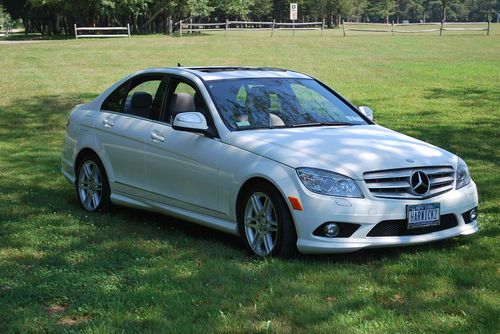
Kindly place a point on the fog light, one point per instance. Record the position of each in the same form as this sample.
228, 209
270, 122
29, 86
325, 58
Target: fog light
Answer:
331, 230
473, 215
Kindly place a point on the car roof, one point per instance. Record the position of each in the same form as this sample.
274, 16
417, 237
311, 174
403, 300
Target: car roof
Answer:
209, 73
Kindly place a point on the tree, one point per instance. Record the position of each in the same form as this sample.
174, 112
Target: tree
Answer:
261, 9
381, 9
55, 16
200, 8
239, 8
358, 9
5, 19
444, 7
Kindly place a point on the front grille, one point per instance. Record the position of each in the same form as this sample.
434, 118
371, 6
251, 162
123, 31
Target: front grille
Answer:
396, 183
397, 228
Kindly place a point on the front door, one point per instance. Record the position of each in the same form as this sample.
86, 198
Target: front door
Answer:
182, 166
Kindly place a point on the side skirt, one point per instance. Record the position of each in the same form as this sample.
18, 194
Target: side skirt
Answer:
223, 225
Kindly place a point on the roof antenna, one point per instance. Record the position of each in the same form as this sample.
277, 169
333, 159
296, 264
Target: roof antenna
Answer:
178, 64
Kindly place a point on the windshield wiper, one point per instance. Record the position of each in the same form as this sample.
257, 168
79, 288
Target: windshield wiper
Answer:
322, 124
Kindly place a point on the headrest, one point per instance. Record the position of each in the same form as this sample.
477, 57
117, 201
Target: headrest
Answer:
141, 100
198, 101
182, 102
258, 103
258, 97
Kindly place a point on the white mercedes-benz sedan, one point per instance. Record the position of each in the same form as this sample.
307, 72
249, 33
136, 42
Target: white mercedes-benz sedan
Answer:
271, 155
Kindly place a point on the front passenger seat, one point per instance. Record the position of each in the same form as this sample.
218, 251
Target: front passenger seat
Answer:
257, 105
181, 102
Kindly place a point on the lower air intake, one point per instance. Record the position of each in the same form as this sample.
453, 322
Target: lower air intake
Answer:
398, 228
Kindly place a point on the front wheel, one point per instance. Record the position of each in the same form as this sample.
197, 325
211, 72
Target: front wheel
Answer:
92, 185
265, 223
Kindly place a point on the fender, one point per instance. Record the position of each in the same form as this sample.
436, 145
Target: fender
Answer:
232, 176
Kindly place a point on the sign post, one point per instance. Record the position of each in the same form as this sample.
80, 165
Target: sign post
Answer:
294, 8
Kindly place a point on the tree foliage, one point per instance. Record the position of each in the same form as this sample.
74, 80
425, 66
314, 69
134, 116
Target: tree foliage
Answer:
55, 16
5, 20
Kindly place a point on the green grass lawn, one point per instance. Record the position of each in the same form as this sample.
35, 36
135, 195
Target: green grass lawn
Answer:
62, 269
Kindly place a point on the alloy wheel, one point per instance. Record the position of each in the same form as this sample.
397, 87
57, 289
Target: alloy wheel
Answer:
261, 224
90, 185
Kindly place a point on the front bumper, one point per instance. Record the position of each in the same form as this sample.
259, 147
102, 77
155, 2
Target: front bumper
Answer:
368, 212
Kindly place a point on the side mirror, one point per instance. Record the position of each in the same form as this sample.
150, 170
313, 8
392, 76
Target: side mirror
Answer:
190, 121
367, 112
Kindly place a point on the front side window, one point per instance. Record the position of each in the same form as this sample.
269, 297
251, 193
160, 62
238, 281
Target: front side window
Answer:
184, 97
273, 102
140, 97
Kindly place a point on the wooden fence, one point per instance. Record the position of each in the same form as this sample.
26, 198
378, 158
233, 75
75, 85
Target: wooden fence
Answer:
5, 33
272, 26
402, 28
97, 31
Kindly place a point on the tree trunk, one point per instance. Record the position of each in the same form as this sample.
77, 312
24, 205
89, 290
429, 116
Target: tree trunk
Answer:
445, 5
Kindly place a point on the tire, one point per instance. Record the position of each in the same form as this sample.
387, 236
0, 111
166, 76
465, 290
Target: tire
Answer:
265, 223
92, 185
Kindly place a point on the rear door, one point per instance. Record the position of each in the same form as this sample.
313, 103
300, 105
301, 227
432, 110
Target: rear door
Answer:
122, 128
182, 166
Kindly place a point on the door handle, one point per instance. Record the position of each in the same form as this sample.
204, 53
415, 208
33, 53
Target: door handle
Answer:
157, 137
108, 123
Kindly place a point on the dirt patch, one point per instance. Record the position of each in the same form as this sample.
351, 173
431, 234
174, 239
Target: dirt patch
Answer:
56, 309
331, 299
71, 321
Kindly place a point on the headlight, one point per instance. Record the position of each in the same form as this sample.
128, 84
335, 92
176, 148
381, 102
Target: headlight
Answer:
328, 183
463, 175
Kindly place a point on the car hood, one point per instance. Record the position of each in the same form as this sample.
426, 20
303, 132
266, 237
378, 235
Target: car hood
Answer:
349, 150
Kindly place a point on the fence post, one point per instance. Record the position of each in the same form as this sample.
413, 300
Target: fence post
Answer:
180, 28
227, 27
441, 29
488, 31
272, 28
343, 27
190, 29
170, 27
128, 29
392, 28
322, 27
76, 32
293, 28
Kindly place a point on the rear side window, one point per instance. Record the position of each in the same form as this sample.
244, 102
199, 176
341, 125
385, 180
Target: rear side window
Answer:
116, 100
140, 97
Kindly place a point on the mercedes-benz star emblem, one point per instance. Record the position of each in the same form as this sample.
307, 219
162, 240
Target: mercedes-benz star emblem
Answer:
420, 182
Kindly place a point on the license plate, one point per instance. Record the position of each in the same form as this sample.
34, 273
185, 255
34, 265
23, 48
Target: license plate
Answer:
423, 215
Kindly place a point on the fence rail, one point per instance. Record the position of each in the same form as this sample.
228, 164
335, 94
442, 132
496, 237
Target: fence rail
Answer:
389, 28
98, 29
5, 33
188, 27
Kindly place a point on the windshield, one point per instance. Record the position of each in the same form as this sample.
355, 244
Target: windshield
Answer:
279, 102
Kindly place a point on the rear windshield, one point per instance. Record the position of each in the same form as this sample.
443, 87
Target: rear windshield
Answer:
275, 102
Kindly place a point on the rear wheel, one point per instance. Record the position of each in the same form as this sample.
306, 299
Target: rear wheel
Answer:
92, 185
265, 223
